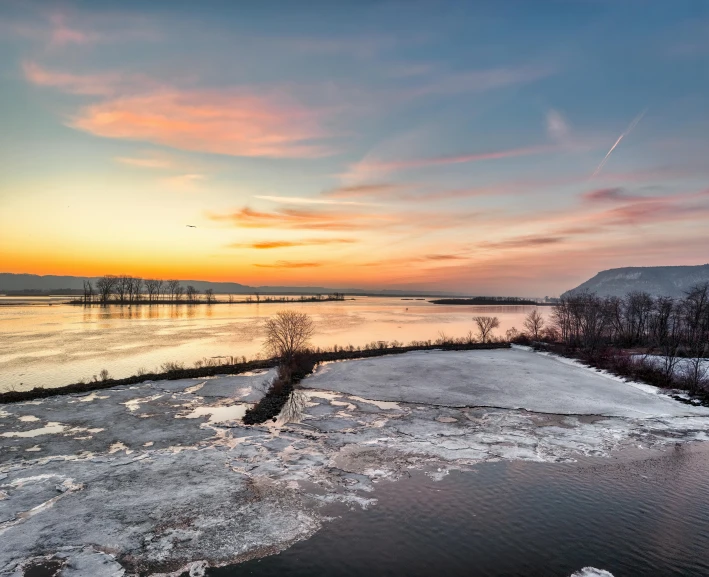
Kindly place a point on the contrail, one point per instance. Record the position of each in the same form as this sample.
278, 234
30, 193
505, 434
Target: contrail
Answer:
635, 121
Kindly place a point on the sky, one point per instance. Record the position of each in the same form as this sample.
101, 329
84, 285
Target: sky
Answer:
506, 147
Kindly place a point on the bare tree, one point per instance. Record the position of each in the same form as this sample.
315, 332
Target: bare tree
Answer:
231, 298
258, 296
105, 287
534, 323
160, 286
191, 293
209, 296
123, 287
151, 286
179, 292
287, 333
695, 317
88, 292
486, 326
171, 287
135, 289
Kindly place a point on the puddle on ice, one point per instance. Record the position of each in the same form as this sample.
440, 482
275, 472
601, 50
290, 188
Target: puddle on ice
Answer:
134, 404
385, 405
220, 414
119, 446
48, 429
334, 400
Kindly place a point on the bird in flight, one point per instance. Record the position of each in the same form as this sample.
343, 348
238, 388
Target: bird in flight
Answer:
191, 226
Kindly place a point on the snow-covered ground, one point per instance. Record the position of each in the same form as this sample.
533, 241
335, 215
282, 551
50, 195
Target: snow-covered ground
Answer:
162, 476
508, 378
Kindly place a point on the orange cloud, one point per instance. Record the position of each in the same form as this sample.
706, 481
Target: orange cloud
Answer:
289, 244
289, 264
523, 242
299, 219
231, 122
220, 122
362, 190
330, 220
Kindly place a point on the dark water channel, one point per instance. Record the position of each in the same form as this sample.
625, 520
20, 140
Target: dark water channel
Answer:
635, 515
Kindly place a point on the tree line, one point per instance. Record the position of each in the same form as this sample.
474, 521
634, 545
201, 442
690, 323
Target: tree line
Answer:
126, 289
674, 330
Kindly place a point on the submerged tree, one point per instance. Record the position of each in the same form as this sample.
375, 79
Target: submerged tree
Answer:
485, 327
287, 333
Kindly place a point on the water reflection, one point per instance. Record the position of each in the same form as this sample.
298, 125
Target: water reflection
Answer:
122, 339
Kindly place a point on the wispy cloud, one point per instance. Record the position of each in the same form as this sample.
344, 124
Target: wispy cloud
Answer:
184, 182
522, 242
154, 160
275, 244
221, 122
290, 264
299, 219
372, 189
63, 32
372, 169
558, 128
86, 84
225, 121
311, 200
481, 80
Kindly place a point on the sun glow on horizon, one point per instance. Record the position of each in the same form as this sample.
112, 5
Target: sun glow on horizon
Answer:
368, 155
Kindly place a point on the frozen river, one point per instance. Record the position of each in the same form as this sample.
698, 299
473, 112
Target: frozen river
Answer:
368, 474
43, 345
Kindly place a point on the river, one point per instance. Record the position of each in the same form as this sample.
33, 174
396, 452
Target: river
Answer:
44, 343
637, 514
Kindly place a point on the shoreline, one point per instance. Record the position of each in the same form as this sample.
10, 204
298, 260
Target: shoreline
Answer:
230, 369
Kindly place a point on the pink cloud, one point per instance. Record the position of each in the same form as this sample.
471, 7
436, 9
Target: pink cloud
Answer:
221, 122
63, 33
88, 84
370, 168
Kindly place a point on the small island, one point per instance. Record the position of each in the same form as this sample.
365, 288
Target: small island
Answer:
485, 301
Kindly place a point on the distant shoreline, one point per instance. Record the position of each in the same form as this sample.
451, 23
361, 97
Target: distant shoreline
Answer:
265, 300
484, 301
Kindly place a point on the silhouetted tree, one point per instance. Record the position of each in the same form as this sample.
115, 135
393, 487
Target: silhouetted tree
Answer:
135, 289
287, 333
534, 323
88, 292
171, 287
151, 287
209, 296
105, 287
191, 293
486, 326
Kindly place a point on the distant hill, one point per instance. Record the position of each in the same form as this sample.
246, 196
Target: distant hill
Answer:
656, 280
36, 284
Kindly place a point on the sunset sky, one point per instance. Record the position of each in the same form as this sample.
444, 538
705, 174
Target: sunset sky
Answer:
412, 145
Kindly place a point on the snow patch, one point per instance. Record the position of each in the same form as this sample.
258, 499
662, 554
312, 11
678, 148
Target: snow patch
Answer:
592, 572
